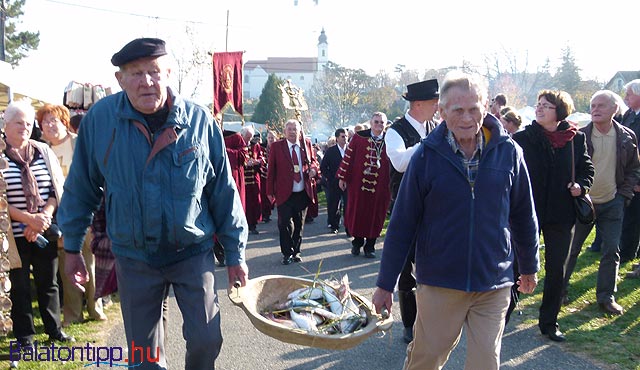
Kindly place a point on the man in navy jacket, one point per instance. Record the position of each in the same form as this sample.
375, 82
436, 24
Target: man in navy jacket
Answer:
464, 197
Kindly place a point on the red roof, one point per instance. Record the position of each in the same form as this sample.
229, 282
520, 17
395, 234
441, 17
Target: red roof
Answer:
283, 65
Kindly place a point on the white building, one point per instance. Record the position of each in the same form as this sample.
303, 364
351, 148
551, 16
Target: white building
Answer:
300, 70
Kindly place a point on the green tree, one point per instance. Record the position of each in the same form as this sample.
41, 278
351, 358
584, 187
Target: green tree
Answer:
567, 77
270, 108
17, 43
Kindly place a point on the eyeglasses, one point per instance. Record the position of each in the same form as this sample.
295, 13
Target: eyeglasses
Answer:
544, 106
51, 122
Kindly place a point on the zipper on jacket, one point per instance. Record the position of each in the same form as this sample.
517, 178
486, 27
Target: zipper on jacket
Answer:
108, 152
471, 233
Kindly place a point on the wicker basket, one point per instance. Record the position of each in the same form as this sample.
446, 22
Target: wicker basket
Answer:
265, 291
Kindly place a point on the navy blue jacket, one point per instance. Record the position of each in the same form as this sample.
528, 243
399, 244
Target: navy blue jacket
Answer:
463, 234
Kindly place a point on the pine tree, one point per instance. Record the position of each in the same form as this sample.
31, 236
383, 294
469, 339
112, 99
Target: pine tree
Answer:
17, 44
270, 108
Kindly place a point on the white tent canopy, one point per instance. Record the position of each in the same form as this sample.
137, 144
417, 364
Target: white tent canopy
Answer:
12, 89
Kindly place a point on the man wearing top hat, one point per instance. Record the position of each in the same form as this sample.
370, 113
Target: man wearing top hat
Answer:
161, 164
401, 140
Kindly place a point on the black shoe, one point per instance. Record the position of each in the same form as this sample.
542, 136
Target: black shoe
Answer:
266, 220
370, 254
221, 264
554, 334
23, 345
408, 335
308, 220
287, 260
254, 231
62, 337
335, 231
355, 251
296, 258
346, 231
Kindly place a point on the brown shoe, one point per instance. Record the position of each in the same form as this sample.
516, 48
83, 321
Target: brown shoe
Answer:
612, 308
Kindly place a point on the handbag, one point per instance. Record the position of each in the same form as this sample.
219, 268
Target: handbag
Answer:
585, 213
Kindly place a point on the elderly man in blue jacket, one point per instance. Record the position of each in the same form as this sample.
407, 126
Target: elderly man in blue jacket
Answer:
160, 162
464, 197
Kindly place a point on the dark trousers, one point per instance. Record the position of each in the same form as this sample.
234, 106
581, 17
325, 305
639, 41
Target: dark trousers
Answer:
609, 225
291, 215
557, 243
369, 244
143, 298
45, 266
406, 285
630, 237
515, 293
336, 199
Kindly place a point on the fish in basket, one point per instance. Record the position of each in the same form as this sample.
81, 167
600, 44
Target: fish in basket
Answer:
340, 327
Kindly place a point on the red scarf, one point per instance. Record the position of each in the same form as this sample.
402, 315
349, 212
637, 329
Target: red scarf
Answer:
564, 134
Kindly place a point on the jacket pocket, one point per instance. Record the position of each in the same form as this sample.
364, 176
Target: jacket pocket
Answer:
121, 220
188, 172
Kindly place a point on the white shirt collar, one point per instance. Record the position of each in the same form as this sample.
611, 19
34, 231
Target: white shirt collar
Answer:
417, 125
292, 144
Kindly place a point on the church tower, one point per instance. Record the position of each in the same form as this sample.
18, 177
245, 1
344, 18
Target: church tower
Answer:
323, 51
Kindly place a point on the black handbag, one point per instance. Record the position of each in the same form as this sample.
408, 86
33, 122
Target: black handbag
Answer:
585, 213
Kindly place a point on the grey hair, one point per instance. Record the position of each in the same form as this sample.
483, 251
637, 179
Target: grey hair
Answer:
294, 121
634, 85
614, 98
20, 106
465, 81
247, 129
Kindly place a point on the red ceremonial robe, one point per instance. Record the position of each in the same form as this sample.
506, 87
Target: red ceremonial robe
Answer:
267, 205
253, 210
237, 156
365, 169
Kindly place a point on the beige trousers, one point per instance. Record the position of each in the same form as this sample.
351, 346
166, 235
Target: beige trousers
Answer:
72, 297
442, 313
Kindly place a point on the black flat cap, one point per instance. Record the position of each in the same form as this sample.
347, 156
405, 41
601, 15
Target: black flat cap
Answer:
424, 90
139, 48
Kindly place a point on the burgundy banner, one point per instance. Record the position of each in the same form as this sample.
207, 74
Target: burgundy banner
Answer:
227, 81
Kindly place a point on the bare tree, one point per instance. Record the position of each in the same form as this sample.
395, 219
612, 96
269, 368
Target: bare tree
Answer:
194, 64
337, 95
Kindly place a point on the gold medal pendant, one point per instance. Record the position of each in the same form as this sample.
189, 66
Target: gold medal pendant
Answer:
296, 168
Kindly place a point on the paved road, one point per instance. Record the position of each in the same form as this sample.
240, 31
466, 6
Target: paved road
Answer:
245, 348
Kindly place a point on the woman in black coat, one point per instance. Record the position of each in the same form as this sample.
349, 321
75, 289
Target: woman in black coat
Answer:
547, 144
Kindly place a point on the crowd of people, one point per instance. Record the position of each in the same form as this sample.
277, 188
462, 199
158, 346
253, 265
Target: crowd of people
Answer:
467, 189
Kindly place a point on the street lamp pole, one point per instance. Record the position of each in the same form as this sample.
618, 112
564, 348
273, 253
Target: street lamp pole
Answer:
3, 16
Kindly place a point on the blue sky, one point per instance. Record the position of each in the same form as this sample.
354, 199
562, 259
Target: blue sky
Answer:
78, 37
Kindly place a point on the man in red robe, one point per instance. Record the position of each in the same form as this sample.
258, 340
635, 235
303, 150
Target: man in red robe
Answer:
237, 155
364, 173
253, 209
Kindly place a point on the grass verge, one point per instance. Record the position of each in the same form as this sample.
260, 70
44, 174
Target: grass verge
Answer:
609, 339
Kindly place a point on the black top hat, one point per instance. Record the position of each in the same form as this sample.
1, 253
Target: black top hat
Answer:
139, 48
424, 90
